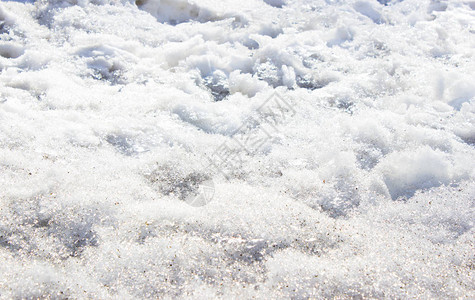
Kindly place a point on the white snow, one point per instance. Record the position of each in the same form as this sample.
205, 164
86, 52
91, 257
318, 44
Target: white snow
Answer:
108, 108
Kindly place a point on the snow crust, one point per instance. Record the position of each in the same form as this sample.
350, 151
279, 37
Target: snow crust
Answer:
107, 108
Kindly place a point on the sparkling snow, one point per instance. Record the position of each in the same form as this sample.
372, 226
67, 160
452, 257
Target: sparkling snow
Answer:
109, 108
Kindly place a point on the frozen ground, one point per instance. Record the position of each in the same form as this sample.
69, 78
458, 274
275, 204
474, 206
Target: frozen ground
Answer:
107, 108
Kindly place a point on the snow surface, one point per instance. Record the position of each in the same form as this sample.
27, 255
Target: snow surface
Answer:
107, 108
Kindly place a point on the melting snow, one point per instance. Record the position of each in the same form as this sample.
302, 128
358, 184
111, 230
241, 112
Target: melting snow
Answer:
109, 110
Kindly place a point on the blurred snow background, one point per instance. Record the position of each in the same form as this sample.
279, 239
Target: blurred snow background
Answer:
108, 106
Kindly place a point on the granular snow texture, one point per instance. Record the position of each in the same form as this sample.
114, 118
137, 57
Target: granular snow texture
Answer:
110, 108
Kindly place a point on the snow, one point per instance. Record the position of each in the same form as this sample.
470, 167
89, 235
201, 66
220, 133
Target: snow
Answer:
110, 110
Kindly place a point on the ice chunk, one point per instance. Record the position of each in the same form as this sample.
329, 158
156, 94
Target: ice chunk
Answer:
177, 11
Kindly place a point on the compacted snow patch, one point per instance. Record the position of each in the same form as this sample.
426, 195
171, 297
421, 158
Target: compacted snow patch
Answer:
8, 50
